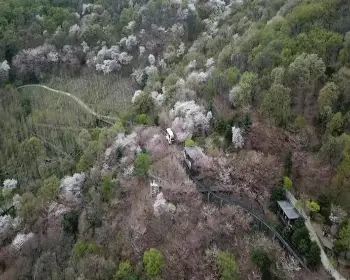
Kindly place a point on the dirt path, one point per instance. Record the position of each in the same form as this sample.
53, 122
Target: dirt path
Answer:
324, 259
76, 99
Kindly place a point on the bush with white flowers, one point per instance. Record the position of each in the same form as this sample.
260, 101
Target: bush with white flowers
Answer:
139, 76
151, 59
72, 186
188, 118
128, 42
237, 138
4, 71
137, 94
21, 239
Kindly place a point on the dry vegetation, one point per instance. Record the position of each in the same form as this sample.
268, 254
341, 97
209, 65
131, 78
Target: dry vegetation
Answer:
104, 94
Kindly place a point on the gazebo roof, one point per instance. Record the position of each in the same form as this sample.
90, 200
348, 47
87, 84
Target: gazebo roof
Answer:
288, 209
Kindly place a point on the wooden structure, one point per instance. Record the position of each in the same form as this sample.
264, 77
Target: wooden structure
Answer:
287, 212
192, 155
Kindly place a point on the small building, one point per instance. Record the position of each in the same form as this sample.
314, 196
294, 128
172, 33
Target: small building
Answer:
192, 156
287, 212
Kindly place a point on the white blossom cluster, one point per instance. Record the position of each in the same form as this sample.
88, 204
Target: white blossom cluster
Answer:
151, 59
181, 50
128, 42
188, 117
87, 8
110, 60
10, 184
195, 78
6, 227
72, 186
4, 66
161, 205
138, 75
337, 214
177, 30
142, 50
211, 26
20, 239
157, 98
210, 63
136, 95
162, 64
38, 60
130, 146
131, 25
192, 65
129, 141
85, 47
74, 31
237, 138
217, 5
151, 70
234, 92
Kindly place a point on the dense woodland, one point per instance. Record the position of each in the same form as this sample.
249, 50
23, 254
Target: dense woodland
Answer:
261, 86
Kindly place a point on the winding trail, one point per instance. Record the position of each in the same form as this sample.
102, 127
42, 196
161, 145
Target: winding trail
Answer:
324, 259
107, 119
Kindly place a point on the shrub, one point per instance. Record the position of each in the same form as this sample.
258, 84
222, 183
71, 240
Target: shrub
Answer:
276, 195
313, 206
220, 126
313, 256
247, 122
119, 153
143, 119
80, 248
70, 223
261, 259
227, 266
287, 183
143, 164
153, 261
190, 143
107, 188
124, 272
288, 163
50, 189
88, 157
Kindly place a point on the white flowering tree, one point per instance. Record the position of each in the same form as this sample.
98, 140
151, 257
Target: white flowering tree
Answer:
137, 94
151, 59
8, 186
161, 205
6, 227
110, 60
237, 138
128, 42
38, 61
139, 76
20, 239
72, 186
4, 71
188, 118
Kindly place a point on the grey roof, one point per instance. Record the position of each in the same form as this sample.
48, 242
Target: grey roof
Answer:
194, 152
288, 209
